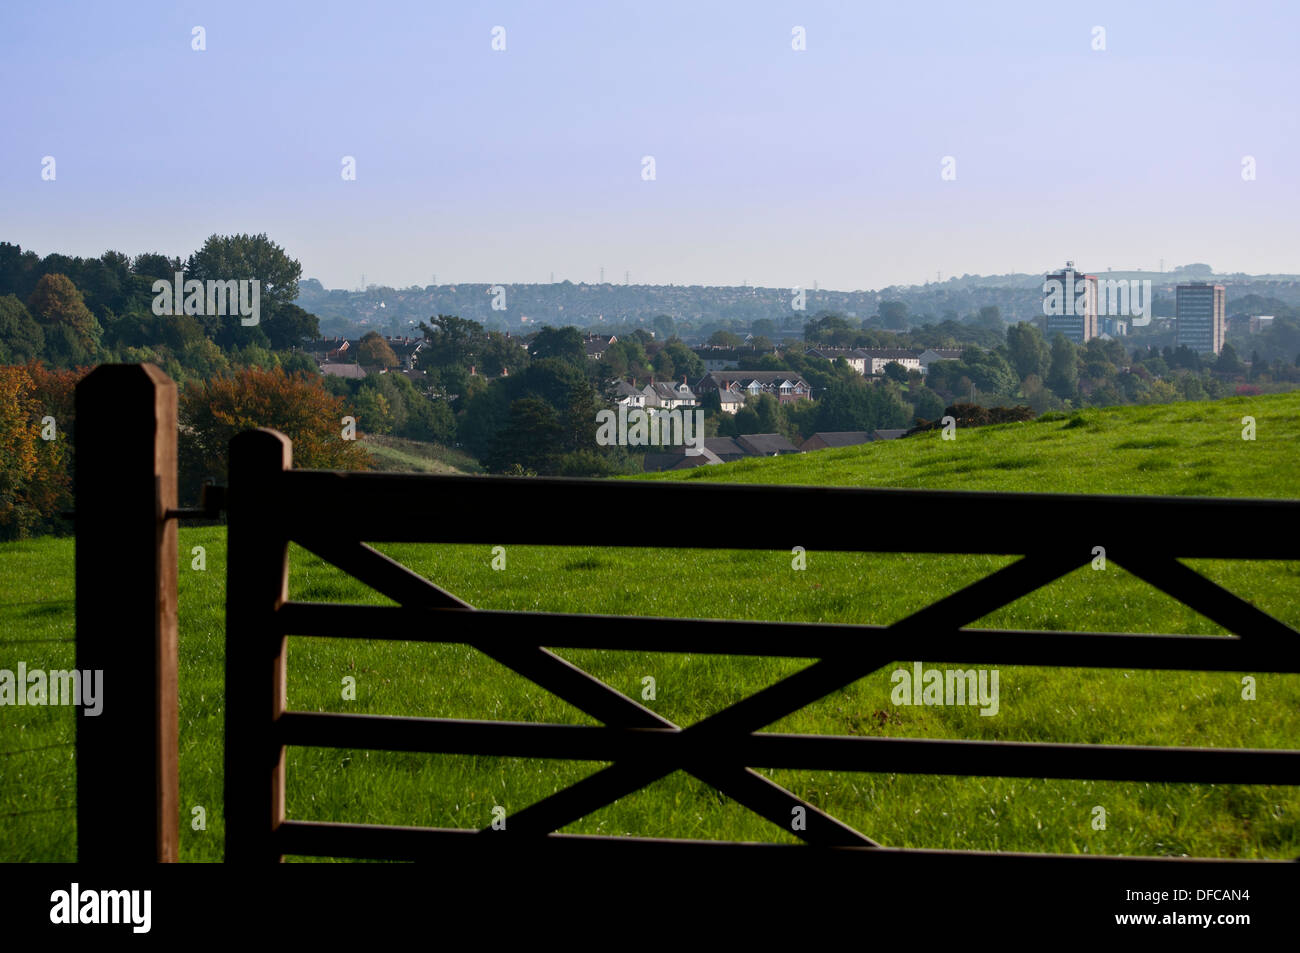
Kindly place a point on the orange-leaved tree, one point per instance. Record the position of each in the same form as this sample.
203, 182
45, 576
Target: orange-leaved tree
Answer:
35, 449
297, 405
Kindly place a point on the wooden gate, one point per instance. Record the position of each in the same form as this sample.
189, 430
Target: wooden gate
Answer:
271, 505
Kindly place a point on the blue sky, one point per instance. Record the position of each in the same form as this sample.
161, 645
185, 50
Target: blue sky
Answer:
773, 166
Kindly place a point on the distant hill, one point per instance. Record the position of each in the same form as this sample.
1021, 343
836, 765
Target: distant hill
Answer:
697, 310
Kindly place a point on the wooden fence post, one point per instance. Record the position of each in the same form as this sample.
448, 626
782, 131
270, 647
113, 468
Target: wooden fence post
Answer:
127, 809
257, 583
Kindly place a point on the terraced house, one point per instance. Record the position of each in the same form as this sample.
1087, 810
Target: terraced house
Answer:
785, 386
854, 356
878, 357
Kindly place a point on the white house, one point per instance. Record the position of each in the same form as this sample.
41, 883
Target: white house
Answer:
668, 396
628, 396
730, 400
878, 357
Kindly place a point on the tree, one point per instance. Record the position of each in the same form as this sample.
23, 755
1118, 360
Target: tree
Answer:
564, 344
498, 355
759, 415
247, 257
298, 406
685, 361
56, 300
893, 314
19, 450
664, 367
1184, 356
725, 339
1229, 363
664, 326
452, 342
987, 370
18, 271
373, 351
372, 411
71, 332
825, 327
290, 326
846, 405
1027, 350
631, 353
990, 316
531, 438
35, 474
155, 266
926, 404
21, 338
1063, 375
896, 372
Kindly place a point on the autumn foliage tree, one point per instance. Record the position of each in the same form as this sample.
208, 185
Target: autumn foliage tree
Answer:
373, 350
71, 332
35, 448
297, 405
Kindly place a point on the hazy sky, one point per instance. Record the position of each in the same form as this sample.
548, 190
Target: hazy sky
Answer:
775, 166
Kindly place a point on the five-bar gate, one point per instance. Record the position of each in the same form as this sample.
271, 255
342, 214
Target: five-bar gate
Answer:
270, 505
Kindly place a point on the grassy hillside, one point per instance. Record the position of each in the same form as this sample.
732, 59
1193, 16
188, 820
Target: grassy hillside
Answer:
1190, 449
1184, 448
396, 454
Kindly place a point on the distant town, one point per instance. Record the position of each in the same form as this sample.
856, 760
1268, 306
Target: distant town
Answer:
518, 378
1111, 326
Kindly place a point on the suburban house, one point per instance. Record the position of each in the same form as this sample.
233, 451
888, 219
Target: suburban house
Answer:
596, 344
730, 401
676, 458
668, 396
878, 357
726, 449
629, 396
839, 438
766, 444
855, 357
785, 386
405, 349
932, 354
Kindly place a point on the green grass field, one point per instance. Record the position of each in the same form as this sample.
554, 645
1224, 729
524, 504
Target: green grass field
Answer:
1186, 448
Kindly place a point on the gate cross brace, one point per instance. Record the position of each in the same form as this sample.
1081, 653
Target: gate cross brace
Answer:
802, 688
592, 696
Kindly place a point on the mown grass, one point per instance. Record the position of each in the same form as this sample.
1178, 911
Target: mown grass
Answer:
1092, 706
